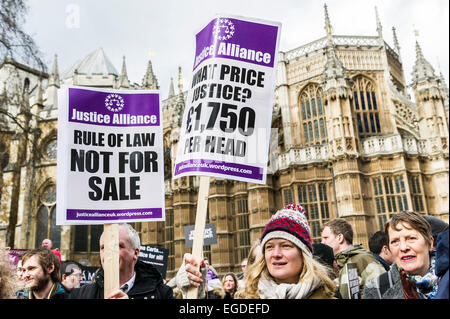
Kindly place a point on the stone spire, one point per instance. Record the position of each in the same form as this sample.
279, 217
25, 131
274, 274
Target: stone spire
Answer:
54, 75
443, 86
444, 89
379, 26
180, 104
53, 85
123, 78
396, 44
25, 103
171, 88
422, 69
335, 80
150, 81
180, 80
328, 27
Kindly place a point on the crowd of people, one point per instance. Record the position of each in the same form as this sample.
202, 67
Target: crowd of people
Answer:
408, 260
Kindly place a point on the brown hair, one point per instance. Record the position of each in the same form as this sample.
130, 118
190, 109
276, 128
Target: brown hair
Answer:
46, 259
414, 220
236, 282
340, 226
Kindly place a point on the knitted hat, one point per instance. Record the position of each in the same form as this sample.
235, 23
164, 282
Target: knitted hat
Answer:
290, 223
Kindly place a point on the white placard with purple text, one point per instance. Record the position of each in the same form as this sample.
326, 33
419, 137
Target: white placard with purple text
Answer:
227, 118
110, 156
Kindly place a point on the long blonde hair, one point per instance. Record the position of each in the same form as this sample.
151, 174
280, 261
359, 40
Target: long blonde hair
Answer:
311, 269
8, 280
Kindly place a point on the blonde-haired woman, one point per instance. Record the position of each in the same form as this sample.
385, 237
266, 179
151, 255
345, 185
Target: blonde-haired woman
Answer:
286, 269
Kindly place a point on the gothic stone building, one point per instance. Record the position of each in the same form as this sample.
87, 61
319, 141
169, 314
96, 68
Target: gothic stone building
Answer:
348, 141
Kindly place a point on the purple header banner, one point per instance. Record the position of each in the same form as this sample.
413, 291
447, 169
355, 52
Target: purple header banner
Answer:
239, 40
113, 109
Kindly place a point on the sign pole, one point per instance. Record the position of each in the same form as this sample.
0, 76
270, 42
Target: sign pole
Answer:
111, 258
199, 232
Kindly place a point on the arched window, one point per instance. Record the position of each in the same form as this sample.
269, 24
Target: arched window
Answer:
312, 115
41, 225
46, 218
365, 107
26, 85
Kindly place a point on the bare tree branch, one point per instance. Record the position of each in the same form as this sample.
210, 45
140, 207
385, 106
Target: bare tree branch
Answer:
14, 42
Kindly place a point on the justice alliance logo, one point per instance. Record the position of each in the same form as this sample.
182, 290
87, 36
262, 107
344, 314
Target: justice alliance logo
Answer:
223, 30
114, 102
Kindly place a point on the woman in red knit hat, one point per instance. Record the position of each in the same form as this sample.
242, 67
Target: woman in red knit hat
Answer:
286, 268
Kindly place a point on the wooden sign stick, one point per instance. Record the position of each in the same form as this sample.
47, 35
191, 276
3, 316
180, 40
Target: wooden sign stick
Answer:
111, 257
199, 231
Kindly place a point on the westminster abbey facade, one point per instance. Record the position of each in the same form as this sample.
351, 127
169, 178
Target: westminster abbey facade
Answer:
347, 141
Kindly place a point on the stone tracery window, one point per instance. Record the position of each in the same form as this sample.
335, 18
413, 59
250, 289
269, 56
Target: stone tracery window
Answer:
312, 116
365, 107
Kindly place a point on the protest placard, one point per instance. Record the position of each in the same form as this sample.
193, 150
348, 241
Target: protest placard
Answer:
110, 163
352, 280
87, 274
209, 238
156, 256
226, 123
110, 156
15, 255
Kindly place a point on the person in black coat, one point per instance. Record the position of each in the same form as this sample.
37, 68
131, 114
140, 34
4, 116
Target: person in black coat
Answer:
137, 280
148, 284
442, 266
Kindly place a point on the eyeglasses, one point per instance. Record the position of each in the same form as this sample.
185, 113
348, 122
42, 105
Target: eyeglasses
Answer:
78, 275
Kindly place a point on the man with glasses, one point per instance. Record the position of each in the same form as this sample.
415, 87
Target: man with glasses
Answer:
71, 275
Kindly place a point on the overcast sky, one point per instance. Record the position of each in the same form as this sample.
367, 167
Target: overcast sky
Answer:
163, 31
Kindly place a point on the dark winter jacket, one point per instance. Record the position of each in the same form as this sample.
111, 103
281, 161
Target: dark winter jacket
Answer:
57, 292
442, 250
382, 262
442, 265
148, 285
